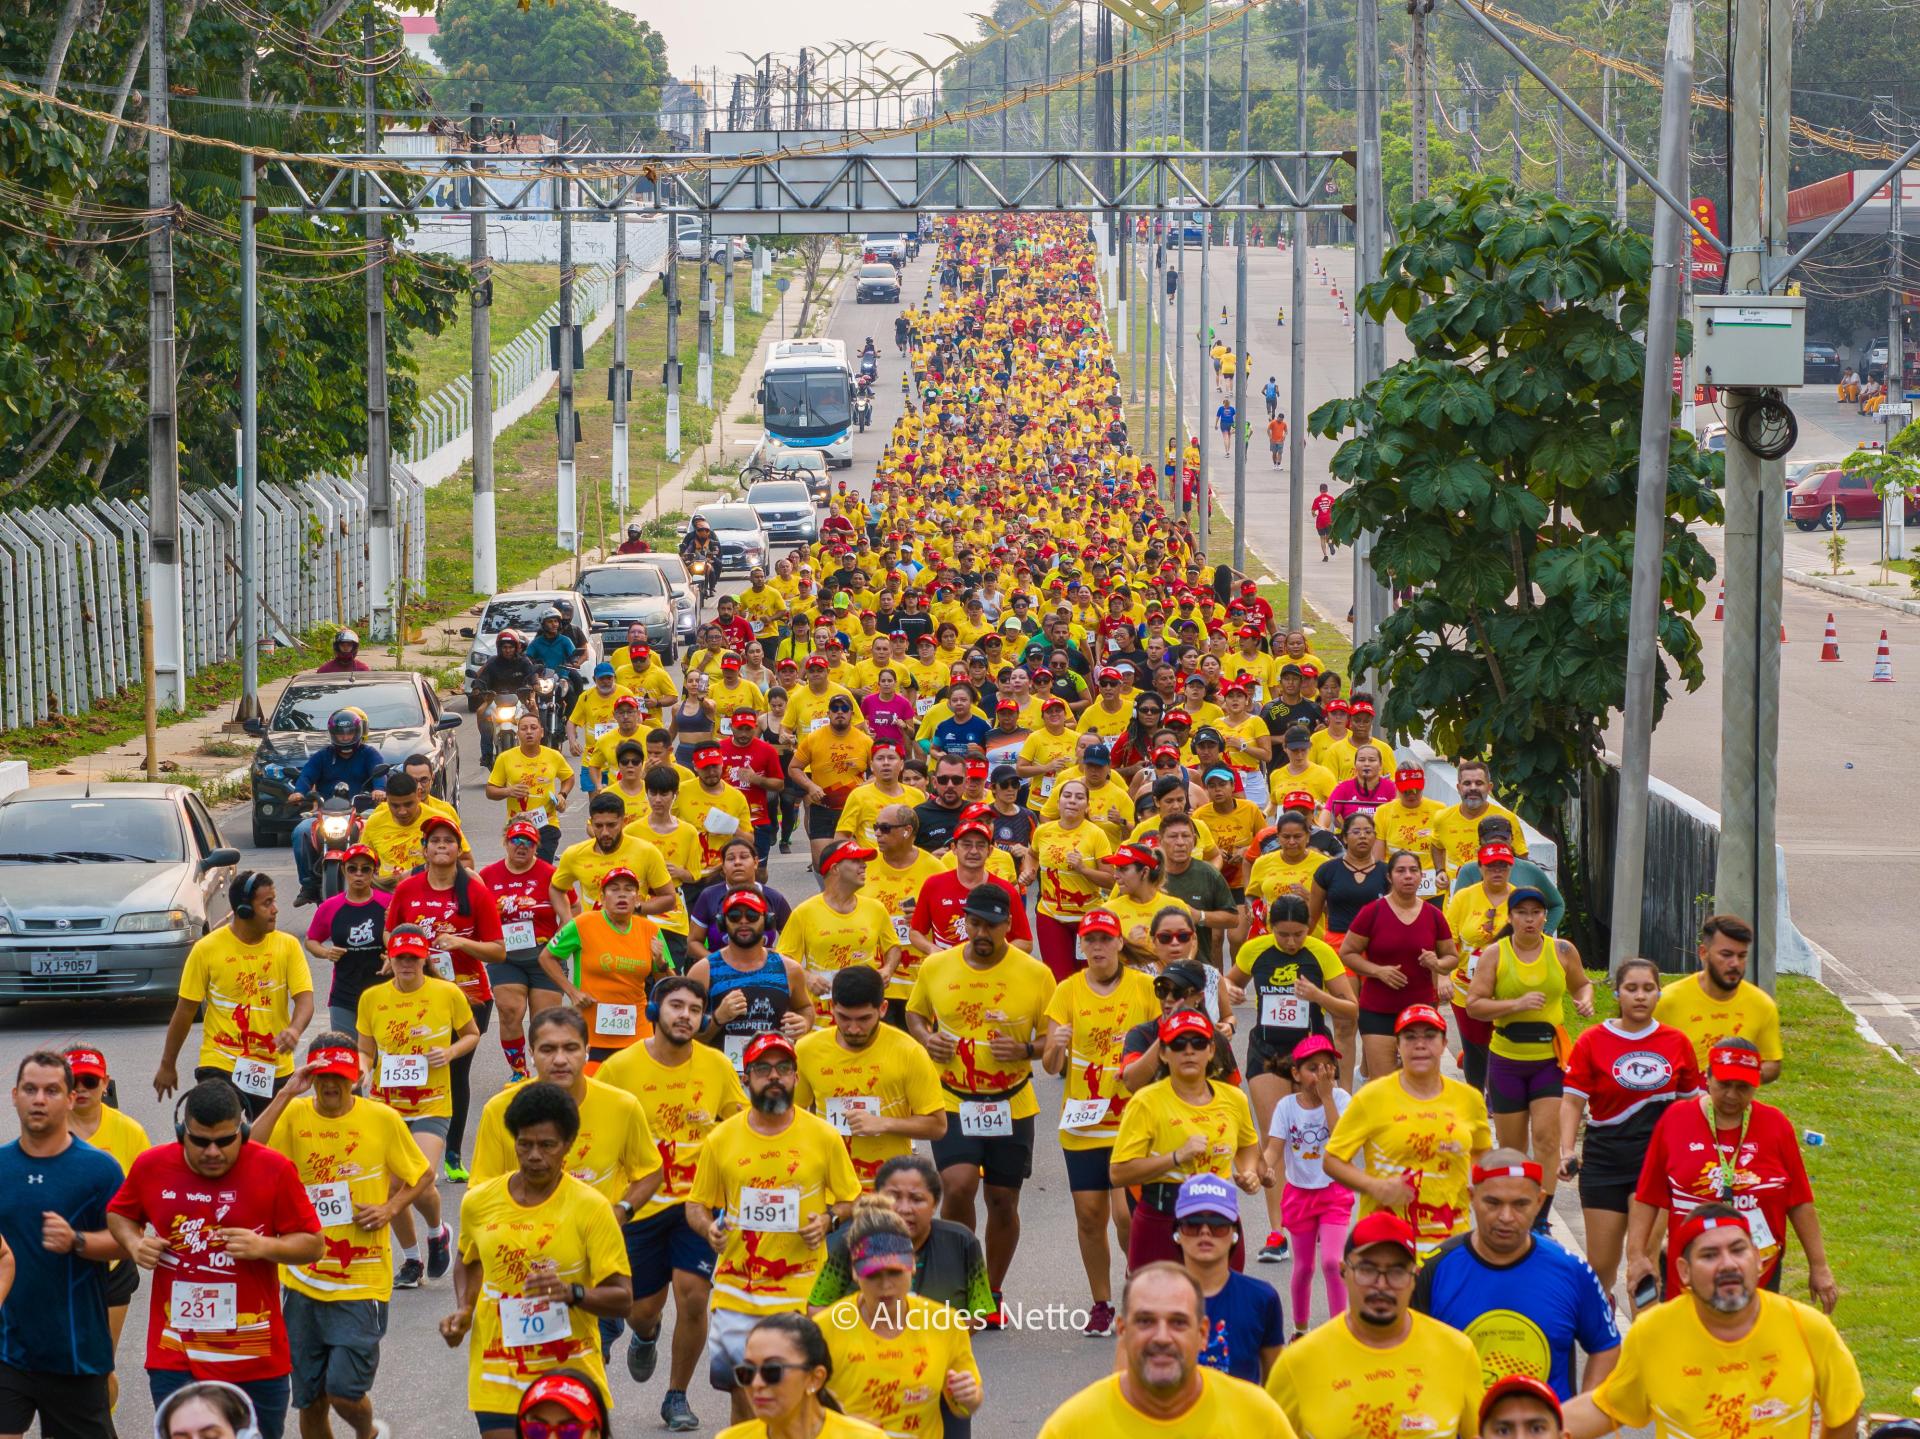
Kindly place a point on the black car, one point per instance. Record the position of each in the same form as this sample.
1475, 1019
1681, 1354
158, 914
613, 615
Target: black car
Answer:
879, 282
404, 717
1822, 364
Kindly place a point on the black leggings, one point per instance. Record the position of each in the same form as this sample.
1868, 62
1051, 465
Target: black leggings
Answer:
787, 803
1474, 1063
457, 1081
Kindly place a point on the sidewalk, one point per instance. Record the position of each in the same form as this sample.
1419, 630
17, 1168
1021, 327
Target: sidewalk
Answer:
185, 746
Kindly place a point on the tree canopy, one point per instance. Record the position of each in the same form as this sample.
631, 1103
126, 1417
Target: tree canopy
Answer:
581, 58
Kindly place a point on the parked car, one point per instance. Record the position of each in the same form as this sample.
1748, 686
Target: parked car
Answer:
104, 888
521, 610
719, 248
791, 462
786, 510
404, 717
1797, 470
743, 539
1875, 363
686, 604
879, 282
1714, 442
1822, 363
1828, 499
623, 595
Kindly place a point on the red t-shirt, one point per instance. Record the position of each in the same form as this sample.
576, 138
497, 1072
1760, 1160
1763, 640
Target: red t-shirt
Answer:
236, 1332
759, 758
1683, 1166
1322, 507
437, 911
936, 912
1628, 1079
522, 898
1391, 941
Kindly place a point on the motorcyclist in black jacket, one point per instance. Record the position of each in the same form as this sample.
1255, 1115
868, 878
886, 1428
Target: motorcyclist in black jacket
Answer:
701, 543
509, 672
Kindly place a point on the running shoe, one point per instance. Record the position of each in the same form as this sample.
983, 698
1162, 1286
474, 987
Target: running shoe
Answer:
996, 1320
412, 1271
676, 1413
642, 1355
1274, 1251
454, 1168
439, 1252
1099, 1321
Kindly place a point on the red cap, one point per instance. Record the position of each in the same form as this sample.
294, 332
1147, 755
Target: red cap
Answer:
1410, 776
1184, 1021
743, 899
570, 1393
1337, 707
1419, 1014
1360, 707
1052, 702
1007, 704
358, 851
87, 1061
1248, 587
1100, 921
1310, 671
786, 662
1733, 1064
729, 662
1108, 672
619, 871
1174, 717
336, 1060
1496, 854
639, 652
1695, 1224
438, 821
1249, 632
766, 1044
816, 662
843, 852
1510, 1384
627, 702
977, 769
708, 754
1165, 751
744, 717
1383, 1226
973, 826
523, 829
1130, 854
1299, 799
1527, 1169
410, 943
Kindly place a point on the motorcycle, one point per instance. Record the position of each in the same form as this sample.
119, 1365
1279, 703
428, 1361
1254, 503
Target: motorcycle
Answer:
551, 704
863, 411
336, 826
870, 365
705, 575
500, 719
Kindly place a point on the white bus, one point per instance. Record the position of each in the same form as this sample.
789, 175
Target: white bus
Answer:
806, 397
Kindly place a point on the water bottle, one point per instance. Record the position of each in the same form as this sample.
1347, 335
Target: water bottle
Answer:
1813, 1139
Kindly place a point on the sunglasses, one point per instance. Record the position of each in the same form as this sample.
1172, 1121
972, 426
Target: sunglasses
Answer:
1206, 1226
1187, 1043
213, 1141
362, 869
1178, 936
565, 1429
887, 828
770, 1373
88, 1081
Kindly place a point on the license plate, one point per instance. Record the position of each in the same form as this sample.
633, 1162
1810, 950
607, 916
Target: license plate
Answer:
54, 965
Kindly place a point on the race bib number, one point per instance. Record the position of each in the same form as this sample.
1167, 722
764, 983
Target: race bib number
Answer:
770, 1211
839, 1106
1282, 1011
534, 816
1429, 883
533, 1321
718, 821
441, 962
253, 1076
986, 1118
735, 1046
403, 1071
903, 929
605, 727
923, 707
616, 1020
817, 722
332, 1202
1083, 1113
1761, 1231
518, 934
1473, 963
205, 1306
1046, 785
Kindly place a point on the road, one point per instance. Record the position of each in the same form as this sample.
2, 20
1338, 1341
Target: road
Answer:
1841, 735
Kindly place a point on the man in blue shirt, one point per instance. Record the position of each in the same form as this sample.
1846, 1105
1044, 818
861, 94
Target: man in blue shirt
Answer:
1245, 1325
347, 760
1523, 1300
56, 1351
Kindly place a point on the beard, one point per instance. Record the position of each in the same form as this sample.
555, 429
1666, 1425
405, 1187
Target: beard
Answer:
1729, 1302
772, 1100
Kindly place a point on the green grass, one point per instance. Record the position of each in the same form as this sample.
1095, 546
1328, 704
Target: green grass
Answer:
520, 293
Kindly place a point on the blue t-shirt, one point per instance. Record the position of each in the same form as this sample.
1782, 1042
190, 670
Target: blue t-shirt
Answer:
326, 768
1242, 1319
1530, 1314
952, 736
54, 1320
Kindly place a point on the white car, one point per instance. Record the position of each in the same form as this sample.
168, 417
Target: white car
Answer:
687, 241
743, 539
791, 462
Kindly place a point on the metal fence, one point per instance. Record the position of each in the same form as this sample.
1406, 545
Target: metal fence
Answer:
71, 580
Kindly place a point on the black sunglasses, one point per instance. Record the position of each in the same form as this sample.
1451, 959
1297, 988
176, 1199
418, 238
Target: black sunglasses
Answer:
213, 1141
770, 1373
1187, 1043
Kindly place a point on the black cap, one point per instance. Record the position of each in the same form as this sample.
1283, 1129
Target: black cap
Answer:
1205, 734
989, 902
1494, 826
1187, 974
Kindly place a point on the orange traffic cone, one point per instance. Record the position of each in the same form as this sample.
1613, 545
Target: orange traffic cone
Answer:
1883, 662
1830, 644
1720, 604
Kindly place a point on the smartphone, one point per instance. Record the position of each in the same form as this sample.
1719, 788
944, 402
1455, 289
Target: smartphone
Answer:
1646, 1293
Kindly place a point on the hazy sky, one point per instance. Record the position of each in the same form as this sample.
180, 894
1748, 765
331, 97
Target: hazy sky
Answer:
708, 32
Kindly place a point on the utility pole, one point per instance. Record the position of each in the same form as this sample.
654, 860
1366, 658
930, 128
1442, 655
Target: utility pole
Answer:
703, 377
1670, 256
756, 282
168, 647
670, 371
1370, 599
380, 545
1893, 509
1242, 360
1620, 175
1178, 481
726, 303
1158, 295
249, 450
1746, 881
1202, 501
566, 503
1115, 138
619, 378
1297, 355
1419, 10
486, 575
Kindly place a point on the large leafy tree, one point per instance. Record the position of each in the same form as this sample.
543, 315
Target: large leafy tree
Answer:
73, 262
582, 58
1499, 468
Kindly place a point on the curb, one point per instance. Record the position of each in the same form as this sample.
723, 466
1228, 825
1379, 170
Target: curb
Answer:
1834, 587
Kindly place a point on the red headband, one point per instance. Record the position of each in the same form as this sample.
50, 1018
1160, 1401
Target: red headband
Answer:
1525, 1170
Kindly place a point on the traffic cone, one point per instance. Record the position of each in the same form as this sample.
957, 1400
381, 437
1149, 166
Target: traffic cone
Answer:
1830, 644
1883, 662
1720, 604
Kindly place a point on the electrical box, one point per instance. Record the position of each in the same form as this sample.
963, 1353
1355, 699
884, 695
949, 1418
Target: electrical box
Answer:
1750, 341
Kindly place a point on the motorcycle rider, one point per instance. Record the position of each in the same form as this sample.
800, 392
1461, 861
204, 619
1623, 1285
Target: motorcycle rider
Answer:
509, 672
346, 656
348, 759
701, 543
634, 545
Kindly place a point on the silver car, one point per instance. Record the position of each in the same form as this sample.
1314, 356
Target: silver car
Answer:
104, 888
743, 540
786, 510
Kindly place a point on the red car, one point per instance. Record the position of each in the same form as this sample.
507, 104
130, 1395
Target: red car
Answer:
1827, 499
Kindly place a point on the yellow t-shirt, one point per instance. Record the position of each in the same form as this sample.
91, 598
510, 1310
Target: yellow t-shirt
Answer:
835, 762
1098, 1025
824, 941
1274, 875
1157, 1120
1044, 747
1316, 779
346, 1163
613, 1149
1102, 803
1098, 719
582, 866
1250, 953
1233, 832
541, 772
1066, 893
1009, 997
863, 806
807, 711
709, 815
1386, 1131
1427, 1386
593, 711
744, 695
897, 891
1338, 757
1751, 1014
679, 846
1403, 828
604, 756
832, 1426
1678, 1378
248, 990
764, 609
892, 1076
896, 1381
119, 1135
764, 1265
1475, 920
1459, 834
1226, 1406
653, 686
397, 845
400, 1024
681, 1104
574, 1229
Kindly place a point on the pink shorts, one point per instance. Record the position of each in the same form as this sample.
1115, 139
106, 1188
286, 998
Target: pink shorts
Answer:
1305, 1208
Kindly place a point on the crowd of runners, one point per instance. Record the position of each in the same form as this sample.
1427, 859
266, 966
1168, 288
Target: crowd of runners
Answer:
1075, 803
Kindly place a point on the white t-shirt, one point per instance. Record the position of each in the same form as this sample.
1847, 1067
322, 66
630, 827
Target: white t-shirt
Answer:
1305, 1132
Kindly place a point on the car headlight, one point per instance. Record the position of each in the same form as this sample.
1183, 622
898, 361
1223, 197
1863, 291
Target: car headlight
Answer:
152, 921
6, 925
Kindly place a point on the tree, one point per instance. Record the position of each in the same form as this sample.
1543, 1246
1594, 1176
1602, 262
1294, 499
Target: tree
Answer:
1498, 469
580, 58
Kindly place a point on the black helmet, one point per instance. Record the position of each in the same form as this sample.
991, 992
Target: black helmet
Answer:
346, 728
565, 607
343, 638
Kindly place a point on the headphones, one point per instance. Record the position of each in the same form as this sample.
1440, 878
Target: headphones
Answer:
180, 1137
241, 892
241, 1430
653, 998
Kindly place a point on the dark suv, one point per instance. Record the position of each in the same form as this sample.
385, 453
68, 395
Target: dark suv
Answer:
1822, 364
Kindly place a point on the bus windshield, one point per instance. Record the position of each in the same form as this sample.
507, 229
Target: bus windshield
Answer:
807, 404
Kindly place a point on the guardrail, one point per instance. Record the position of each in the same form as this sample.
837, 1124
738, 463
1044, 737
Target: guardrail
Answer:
71, 579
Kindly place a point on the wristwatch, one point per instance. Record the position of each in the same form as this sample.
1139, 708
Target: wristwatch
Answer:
625, 1206
577, 1295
